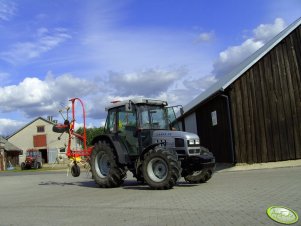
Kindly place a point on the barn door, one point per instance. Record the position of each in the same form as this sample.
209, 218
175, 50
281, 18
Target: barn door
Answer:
214, 129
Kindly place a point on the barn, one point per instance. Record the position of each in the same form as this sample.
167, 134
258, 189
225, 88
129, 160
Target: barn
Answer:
253, 114
38, 135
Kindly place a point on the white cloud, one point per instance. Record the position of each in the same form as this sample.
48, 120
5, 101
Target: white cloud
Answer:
45, 41
36, 97
148, 82
8, 126
201, 84
7, 10
233, 55
205, 37
265, 32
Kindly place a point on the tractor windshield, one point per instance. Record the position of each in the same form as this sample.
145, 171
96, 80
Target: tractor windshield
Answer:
153, 117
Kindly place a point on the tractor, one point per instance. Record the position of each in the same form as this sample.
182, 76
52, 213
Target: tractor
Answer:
33, 160
142, 135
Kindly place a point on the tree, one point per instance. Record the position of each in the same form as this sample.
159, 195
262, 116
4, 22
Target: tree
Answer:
91, 133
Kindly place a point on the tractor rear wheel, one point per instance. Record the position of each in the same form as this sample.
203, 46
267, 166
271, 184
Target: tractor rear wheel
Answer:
199, 176
105, 169
161, 168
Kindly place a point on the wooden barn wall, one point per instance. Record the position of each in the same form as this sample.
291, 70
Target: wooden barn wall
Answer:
215, 137
266, 105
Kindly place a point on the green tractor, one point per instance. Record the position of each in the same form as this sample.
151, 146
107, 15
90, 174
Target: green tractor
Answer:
142, 136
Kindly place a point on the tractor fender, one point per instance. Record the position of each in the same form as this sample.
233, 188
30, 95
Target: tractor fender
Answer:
152, 146
120, 151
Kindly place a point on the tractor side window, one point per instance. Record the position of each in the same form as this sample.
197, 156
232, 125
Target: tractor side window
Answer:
153, 117
111, 121
126, 120
173, 123
127, 124
158, 119
145, 120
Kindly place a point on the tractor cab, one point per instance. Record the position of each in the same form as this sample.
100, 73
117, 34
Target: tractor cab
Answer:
135, 121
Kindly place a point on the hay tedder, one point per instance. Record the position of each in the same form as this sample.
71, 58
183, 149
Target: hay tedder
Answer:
76, 155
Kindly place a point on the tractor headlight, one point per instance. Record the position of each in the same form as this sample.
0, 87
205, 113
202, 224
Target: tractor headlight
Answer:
190, 142
193, 143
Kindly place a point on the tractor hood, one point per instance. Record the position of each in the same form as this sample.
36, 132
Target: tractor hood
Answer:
183, 142
174, 134
29, 159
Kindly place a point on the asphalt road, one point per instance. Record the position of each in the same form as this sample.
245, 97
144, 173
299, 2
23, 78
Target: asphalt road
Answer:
229, 198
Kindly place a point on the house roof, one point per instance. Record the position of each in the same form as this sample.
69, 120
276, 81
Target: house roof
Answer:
30, 124
9, 146
238, 71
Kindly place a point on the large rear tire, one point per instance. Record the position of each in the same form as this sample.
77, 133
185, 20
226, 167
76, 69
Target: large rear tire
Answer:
199, 176
161, 168
104, 166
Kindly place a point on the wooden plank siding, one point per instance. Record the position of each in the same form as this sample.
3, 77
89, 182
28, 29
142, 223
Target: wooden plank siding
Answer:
266, 105
215, 137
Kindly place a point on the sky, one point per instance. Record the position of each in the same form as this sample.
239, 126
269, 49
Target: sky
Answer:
104, 50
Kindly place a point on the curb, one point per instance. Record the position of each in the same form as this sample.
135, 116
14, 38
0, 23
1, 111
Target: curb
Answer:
257, 166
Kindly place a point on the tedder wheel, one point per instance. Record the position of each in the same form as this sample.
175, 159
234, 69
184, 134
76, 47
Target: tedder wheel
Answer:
161, 168
105, 170
199, 176
75, 170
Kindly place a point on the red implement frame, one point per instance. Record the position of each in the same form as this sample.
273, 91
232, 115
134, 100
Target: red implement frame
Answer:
86, 150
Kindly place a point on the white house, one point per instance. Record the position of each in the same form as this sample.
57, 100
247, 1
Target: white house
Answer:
38, 134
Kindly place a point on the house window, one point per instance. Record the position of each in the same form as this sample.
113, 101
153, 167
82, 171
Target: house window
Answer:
40, 129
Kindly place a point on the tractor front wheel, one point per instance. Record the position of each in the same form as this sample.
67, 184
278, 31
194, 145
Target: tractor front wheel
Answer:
105, 169
161, 169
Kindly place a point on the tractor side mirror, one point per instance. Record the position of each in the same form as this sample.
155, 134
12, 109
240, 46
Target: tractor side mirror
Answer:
181, 111
128, 107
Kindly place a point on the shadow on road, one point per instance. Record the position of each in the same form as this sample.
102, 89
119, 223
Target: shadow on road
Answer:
128, 184
134, 185
90, 184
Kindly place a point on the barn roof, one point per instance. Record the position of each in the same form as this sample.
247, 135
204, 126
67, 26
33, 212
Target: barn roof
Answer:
238, 71
30, 124
9, 146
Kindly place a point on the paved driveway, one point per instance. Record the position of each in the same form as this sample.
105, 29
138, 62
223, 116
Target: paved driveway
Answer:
229, 198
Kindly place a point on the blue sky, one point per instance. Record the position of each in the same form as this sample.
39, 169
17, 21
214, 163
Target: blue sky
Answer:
103, 50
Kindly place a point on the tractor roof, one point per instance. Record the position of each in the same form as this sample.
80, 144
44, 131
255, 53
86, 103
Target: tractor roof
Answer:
138, 100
